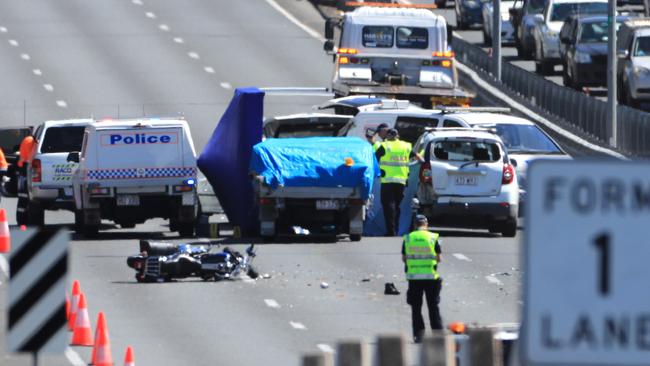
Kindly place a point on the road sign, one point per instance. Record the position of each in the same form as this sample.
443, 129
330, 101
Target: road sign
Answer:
587, 264
38, 266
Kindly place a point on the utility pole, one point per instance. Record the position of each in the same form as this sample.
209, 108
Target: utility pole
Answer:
496, 38
612, 125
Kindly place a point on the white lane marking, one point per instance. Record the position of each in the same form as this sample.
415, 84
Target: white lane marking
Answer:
194, 55
4, 266
272, 303
3, 30
48, 87
178, 40
297, 326
37, 72
13, 42
150, 15
226, 85
62, 103
295, 21
136, 2
209, 69
515, 105
325, 348
25, 56
74, 357
462, 257
493, 280
164, 28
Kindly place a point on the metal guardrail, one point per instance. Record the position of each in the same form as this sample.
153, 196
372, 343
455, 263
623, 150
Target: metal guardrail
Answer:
583, 112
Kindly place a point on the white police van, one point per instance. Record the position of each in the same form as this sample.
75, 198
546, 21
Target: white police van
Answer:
134, 170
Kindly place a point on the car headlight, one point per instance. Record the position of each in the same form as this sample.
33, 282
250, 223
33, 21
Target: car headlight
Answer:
583, 58
472, 4
641, 71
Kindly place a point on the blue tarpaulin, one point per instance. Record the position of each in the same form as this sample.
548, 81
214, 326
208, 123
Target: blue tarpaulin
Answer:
225, 158
316, 162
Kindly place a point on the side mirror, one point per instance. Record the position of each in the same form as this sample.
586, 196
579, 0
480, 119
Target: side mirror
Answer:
329, 28
328, 46
513, 162
73, 157
622, 54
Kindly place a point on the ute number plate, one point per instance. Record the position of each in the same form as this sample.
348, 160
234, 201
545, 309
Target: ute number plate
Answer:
327, 205
128, 200
464, 180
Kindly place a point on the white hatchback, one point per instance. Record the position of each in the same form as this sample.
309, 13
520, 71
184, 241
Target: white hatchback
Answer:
467, 180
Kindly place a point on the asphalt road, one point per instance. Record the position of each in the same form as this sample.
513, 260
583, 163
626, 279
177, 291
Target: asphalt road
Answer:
118, 58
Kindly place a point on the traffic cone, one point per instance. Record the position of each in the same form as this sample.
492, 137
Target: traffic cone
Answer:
82, 334
102, 349
128, 358
76, 291
5, 239
67, 307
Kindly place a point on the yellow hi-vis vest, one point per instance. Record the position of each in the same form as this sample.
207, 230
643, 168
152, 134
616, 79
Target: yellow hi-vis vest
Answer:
420, 252
395, 161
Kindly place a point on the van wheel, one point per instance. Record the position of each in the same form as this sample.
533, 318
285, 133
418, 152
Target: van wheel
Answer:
509, 228
35, 214
89, 231
127, 225
355, 237
78, 221
186, 229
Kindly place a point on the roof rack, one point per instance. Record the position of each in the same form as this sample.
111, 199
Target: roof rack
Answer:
390, 5
448, 109
464, 129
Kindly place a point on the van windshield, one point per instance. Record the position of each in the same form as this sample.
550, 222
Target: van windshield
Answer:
63, 139
466, 150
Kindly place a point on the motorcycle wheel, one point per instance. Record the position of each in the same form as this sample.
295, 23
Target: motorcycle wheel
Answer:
252, 273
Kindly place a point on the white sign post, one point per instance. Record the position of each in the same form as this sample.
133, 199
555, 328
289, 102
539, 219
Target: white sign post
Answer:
587, 264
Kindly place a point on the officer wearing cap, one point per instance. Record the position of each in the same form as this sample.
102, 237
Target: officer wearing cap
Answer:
421, 254
393, 156
378, 136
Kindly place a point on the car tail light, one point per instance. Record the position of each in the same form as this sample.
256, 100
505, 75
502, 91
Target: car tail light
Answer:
425, 173
508, 174
36, 171
183, 188
356, 201
266, 201
99, 191
348, 51
343, 60
448, 54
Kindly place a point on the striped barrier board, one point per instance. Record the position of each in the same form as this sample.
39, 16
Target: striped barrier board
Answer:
38, 265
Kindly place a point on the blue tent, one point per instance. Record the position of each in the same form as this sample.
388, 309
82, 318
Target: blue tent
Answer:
226, 157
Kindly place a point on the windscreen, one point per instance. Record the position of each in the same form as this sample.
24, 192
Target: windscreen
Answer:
525, 139
10, 139
63, 139
642, 46
562, 11
594, 32
466, 150
412, 37
374, 36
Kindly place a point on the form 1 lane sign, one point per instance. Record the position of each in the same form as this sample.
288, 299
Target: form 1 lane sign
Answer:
587, 264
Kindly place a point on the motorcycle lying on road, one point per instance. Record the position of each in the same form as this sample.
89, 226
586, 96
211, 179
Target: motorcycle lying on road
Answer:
164, 262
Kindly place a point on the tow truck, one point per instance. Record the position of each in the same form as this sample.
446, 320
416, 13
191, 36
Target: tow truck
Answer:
395, 51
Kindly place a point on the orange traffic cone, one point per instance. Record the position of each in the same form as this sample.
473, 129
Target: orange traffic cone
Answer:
76, 291
82, 334
67, 307
5, 239
102, 349
128, 359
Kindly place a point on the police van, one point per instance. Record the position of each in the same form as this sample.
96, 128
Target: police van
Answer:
134, 170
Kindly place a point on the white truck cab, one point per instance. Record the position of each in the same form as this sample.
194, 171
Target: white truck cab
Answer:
48, 184
133, 170
394, 51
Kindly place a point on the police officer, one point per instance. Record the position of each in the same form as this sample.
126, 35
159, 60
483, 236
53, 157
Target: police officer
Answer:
421, 254
393, 156
379, 135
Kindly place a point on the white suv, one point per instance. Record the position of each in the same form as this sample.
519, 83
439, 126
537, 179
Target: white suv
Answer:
467, 181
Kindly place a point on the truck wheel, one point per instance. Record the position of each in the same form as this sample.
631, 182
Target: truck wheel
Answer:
355, 237
89, 231
186, 229
35, 214
509, 228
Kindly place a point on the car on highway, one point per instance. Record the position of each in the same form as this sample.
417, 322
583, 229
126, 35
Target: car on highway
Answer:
467, 181
584, 41
469, 13
548, 25
522, 17
507, 29
633, 67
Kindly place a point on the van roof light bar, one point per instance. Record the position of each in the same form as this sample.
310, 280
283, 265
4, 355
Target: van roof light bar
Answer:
448, 109
390, 5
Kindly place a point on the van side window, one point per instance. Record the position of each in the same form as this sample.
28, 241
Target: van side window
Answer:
377, 36
410, 128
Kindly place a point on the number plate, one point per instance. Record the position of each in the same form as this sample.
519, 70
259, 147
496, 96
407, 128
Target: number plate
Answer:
465, 180
128, 200
327, 205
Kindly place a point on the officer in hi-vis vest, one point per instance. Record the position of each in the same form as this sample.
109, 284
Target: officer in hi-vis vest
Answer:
393, 156
421, 254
